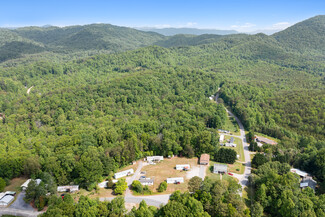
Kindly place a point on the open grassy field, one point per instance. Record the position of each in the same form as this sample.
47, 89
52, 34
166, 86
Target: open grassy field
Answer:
239, 148
166, 169
15, 184
237, 167
232, 126
216, 177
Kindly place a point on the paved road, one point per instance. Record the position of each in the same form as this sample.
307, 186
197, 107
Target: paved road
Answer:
20, 203
154, 200
202, 173
243, 178
19, 212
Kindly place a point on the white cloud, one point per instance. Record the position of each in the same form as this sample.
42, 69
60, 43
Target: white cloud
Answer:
280, 25
243, 27
161, 26
190, 24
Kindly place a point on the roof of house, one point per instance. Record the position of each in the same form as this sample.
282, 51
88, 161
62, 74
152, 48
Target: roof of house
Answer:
299, 172
175, 178
2, 194
204, 158
7, 199
25, 184
308, 183
266, 140
146, 180
220, 167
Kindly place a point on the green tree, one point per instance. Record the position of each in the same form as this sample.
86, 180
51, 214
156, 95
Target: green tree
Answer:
2, 184
162, 186
194, 184
226, 155
120, 186
258, 160
137, 186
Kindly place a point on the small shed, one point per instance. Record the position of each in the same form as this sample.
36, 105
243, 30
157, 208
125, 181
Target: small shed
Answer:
68, 188
183, 167
220, 168
175, 180
204, 159
123, 173
146, 181
6, 200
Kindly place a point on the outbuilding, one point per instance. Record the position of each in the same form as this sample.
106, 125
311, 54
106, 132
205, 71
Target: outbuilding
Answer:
175, 180
123, 173
204, 159
6, 200
183, 167
220, 168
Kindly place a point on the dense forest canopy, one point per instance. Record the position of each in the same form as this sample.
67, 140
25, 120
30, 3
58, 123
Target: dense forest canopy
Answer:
88, 115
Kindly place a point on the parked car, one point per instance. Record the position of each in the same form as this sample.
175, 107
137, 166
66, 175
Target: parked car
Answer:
142, 177
177, 183
230, 174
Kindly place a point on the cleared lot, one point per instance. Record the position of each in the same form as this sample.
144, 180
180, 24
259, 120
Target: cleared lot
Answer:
166, 169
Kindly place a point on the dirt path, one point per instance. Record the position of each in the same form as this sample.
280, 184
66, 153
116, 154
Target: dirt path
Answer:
29, 89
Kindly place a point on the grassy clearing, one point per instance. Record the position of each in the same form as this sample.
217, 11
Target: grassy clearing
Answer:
15, 184
232, 126
268, 137
239, 148
236, 168
216, 177
166, 169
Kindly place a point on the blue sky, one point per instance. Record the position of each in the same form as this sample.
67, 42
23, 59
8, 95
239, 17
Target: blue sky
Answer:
246, 15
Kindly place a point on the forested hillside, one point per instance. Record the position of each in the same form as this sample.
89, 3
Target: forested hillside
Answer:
86, 117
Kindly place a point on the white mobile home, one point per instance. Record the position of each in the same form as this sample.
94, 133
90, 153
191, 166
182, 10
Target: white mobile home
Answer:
183, 167
68, 188
25, 184
123, 173
6, 200
175, 180
155, 158
299, 172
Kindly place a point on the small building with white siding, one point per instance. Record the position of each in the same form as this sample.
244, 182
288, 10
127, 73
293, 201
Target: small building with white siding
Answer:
123, 173
6, 200
155, 158
25, 184
299, 172
68, 188
220, 168
175, 180
183, 167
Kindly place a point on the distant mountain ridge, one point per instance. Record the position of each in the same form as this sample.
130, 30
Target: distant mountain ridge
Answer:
307, 36
186, 31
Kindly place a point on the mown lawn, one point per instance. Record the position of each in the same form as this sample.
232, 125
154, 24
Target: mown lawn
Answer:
239, 148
